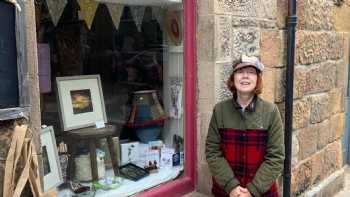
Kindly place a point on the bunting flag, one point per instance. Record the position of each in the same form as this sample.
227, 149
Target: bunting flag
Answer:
158, 14
116, 11
87, 11
137, 13
56, 8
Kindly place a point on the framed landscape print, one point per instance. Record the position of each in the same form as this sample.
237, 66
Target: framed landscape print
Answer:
81, 101
51, 165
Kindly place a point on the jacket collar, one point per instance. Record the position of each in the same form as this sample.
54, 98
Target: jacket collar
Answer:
251, 107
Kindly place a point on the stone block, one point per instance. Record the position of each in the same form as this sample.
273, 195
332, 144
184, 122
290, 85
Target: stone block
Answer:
324, 133
301, 113
223, 46
320, 77
205, 38
301, 178
340, 15
295, 149
332, 158
307, 142
337, 125
269, 84
319, 108
271, 48
317, 167
341, 73
204, 125
205, 7
222, 73
336, 101
247, 8
245, 41
253, 22
315, 15
282, 12
280, 82
299, 83
314, 47
204, 179
206, 78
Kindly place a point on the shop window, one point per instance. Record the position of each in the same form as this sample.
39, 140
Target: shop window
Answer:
14, 83
113, 65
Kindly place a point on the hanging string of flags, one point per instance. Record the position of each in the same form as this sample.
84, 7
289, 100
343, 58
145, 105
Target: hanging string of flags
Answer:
88, 10
56, 8
116, 11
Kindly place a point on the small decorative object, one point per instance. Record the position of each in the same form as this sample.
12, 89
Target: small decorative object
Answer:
147, 115
178, 143
175, 110
166, 157
63, 157
83, 166
176, 159
52, 170
174, 27
105, 148
129, 152
81, 101
133, 172
78, 188
108, 183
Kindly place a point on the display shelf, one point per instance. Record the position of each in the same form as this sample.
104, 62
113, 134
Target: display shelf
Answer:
129, 187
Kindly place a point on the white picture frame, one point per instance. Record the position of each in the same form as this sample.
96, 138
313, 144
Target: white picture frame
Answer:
52, 174
81, 102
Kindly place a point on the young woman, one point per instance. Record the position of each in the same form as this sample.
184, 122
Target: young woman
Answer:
244, 145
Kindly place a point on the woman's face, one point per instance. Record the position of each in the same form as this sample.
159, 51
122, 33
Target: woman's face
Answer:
245, 80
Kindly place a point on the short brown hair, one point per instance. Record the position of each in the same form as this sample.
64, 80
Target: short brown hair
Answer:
231, 84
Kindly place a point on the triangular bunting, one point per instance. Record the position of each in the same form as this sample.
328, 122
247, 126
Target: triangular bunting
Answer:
87, 11
158, 14
137, 13
56, 8
116, 11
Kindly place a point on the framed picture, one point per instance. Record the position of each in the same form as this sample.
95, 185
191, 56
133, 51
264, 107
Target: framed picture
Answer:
81, 101
50, 162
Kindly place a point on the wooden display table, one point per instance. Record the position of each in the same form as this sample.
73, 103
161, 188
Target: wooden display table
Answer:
92, 135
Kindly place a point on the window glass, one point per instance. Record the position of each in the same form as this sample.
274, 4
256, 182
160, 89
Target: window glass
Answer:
112, 88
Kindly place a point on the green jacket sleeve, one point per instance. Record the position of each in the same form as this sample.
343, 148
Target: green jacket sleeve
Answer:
218, 165
272, 166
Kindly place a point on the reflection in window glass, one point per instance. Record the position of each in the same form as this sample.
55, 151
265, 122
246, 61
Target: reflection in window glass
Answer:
137, 50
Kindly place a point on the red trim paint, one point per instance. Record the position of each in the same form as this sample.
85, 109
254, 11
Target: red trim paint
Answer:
187, 182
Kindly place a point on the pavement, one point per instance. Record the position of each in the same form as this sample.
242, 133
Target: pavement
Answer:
343, 193
346, 191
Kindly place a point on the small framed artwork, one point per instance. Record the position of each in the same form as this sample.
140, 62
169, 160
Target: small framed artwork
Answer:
129, 152
81, 101
50, 162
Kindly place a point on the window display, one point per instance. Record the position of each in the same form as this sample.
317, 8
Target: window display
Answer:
116, 77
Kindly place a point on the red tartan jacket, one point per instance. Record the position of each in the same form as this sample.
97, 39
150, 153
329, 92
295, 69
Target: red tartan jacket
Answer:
245, 148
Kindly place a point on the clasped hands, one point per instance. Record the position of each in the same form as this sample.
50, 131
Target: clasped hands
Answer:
240, 192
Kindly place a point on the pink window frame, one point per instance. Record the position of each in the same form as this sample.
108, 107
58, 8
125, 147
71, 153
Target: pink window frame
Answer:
186, 183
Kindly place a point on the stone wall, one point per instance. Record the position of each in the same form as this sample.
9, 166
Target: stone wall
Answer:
226, 28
